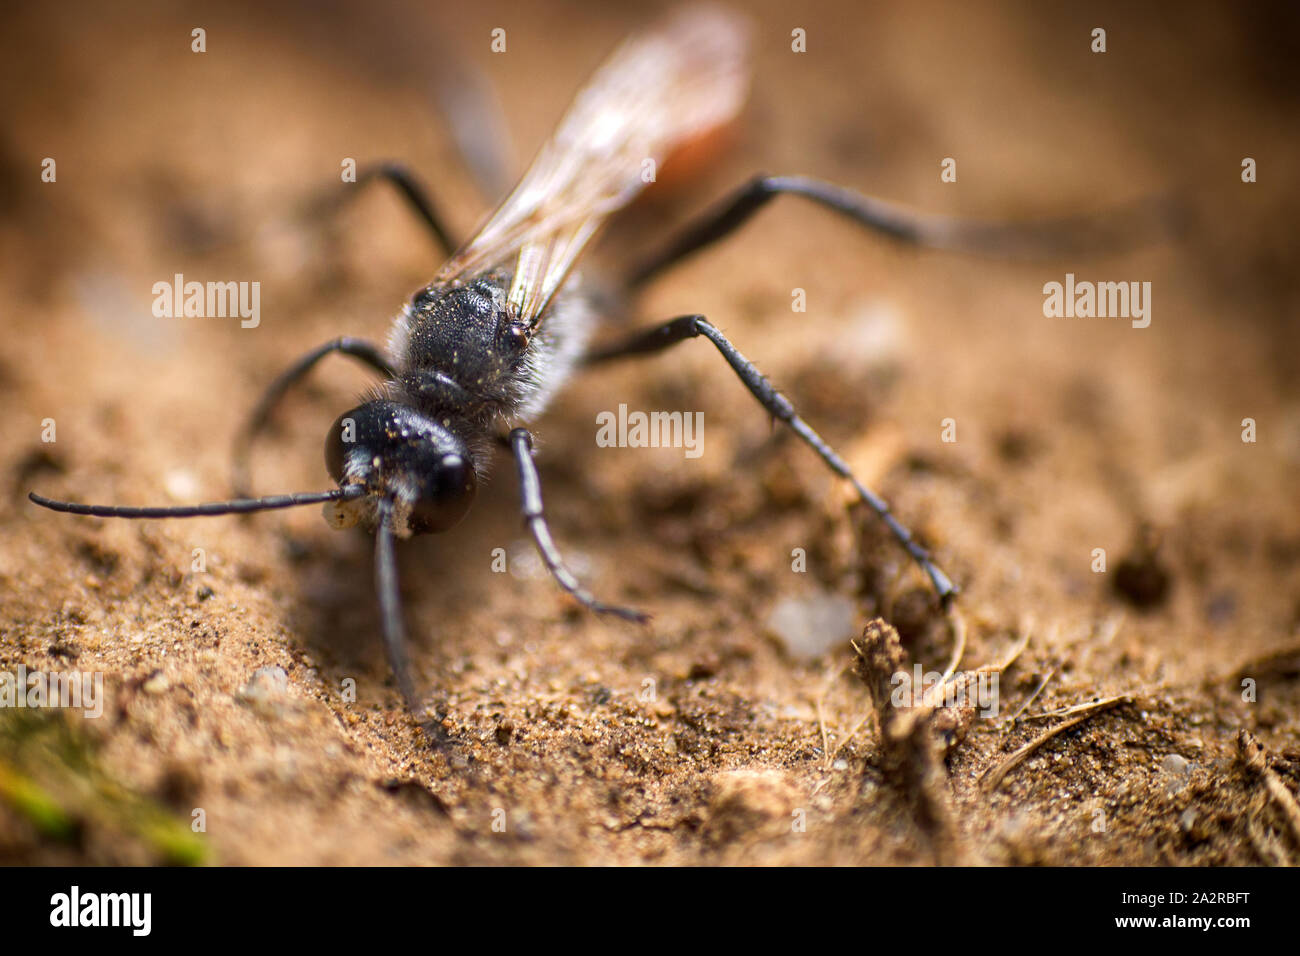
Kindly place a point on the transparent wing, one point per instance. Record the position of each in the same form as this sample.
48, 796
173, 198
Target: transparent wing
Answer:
659, 90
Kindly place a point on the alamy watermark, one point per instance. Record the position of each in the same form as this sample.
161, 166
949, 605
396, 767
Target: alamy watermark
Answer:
208, 300
636, 429
78, 690
133, 911
1102, 300
928, 689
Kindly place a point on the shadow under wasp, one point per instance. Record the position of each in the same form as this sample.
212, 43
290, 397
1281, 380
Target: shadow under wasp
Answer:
481, 350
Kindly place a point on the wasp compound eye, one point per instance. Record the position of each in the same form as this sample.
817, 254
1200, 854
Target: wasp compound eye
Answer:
446, 493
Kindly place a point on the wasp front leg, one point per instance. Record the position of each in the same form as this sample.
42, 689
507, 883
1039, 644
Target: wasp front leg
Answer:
530, 488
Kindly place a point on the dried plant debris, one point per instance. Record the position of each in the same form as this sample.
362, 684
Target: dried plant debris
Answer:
914, 734
1255, 758
995, 775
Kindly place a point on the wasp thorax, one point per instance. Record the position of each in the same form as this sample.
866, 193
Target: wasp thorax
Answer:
394, 452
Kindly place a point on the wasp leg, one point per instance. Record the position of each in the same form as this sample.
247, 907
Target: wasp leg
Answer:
390, 609
1080, 235
394, 631
363, 351
530, 489
692, 326
408, 187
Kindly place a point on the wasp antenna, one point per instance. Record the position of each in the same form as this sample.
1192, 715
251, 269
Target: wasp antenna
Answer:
237, 506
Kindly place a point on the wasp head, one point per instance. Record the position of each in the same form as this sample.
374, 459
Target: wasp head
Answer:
420, 465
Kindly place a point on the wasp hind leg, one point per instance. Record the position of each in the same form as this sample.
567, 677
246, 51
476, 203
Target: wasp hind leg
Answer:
1082, 235
694, 326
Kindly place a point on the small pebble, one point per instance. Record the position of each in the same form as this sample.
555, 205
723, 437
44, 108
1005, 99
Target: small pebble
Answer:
265, 689
156, 684
808, 626
1175, 764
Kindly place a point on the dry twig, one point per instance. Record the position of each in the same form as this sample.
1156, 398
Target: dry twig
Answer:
995, 775
1255, 758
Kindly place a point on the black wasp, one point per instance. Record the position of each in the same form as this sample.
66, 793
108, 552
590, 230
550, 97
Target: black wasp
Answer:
486, 345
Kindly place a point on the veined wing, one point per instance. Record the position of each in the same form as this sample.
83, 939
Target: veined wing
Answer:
659, 90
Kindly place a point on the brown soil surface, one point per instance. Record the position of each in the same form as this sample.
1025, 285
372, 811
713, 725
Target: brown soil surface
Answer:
1072, 434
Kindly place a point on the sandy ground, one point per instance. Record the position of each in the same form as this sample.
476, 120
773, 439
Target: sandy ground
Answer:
701, 738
